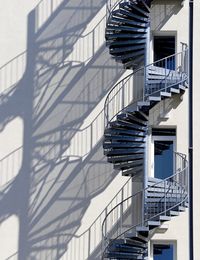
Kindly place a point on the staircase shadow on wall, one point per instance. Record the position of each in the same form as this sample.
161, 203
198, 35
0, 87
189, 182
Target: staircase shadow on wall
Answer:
51, 192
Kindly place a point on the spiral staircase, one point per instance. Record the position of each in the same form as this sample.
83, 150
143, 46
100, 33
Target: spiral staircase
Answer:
128, 227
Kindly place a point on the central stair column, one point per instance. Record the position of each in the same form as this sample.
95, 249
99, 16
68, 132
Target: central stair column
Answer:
145, 181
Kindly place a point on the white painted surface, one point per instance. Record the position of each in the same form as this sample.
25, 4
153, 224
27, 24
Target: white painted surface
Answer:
13, 28
9, 232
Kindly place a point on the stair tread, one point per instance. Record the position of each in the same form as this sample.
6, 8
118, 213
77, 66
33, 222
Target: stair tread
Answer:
130, 7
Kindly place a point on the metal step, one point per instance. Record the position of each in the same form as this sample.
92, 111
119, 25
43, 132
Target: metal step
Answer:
125, 248
119, 20
131, 120
173, 213
117, 145
123, 152
133, 7
129, 15
126, 125
116, 44
181, 87
120, 138
123, 49
154, 98
129, 164
136, 37
162, 194
120, 255
153, 224
175, 90
164, 218
126, 56
156, 200
114, 131
125, 158
124, 28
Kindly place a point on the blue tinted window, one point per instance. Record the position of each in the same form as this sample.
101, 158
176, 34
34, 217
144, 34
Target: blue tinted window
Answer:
163, 159
163, 252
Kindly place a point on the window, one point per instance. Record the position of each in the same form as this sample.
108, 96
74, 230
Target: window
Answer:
163, 252
163, 147
164, 46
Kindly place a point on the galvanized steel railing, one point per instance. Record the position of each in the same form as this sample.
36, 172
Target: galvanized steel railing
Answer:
138, 209
146, 81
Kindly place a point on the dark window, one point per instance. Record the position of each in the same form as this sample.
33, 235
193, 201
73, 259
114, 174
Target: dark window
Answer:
163, 252
164, 46
164, 131
163, 159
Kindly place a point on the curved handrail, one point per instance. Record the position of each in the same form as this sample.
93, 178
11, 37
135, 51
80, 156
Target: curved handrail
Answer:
111, 5
118, 214
144, 88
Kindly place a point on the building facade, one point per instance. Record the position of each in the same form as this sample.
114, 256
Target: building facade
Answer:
94, 130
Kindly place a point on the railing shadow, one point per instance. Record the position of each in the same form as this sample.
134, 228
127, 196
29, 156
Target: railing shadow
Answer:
91, 239
161, 12
55, 185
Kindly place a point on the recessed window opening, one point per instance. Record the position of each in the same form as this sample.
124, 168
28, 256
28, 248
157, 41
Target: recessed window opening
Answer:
163, 148
164, 46
163, 252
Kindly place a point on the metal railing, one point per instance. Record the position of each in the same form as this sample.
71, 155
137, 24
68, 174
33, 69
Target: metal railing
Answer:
128, 214
86, 244
111, 5
151, 79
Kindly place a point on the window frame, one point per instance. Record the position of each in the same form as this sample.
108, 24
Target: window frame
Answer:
163, 242
159, 138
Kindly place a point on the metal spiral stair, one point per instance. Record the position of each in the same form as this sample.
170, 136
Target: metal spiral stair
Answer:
125, 136
126, 126
164, 199
126, 31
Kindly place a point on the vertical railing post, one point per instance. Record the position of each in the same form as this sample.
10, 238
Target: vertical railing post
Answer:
89, 238
143, 207
123, 97
165, 74
51, 7
93, 43
121, 211
146, 60
165, 206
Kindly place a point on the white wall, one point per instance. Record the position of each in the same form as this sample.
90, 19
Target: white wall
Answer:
59, 95
13, 29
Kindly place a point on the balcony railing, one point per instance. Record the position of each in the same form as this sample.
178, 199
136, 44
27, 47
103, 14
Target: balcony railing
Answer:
146, 81
126, 216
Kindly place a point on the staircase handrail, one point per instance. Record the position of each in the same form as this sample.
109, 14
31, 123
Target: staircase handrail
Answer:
179, 174
110, 6
182, 69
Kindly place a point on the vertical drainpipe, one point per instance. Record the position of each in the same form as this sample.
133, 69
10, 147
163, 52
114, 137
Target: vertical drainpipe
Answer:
191, 245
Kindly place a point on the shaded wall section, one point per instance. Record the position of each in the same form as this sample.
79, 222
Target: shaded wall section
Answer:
53, 189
